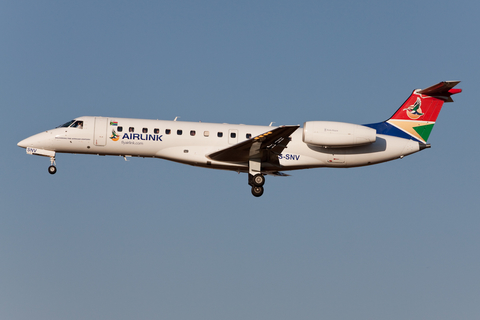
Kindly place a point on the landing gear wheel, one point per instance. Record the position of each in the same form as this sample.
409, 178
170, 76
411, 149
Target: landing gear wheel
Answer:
257, 191
52, 169
258, 180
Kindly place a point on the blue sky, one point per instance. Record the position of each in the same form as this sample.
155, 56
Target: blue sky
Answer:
149, 239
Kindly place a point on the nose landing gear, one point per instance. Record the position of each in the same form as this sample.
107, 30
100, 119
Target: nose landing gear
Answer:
52, 169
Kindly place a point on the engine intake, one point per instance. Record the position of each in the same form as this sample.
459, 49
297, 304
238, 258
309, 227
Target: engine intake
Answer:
337, 134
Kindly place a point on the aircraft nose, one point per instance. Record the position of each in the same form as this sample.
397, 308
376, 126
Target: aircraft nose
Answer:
24, 143
39, 140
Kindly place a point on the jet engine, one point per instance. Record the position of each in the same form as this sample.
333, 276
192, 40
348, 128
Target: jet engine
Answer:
337, 134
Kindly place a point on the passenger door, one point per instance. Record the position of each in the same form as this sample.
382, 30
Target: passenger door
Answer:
100, 132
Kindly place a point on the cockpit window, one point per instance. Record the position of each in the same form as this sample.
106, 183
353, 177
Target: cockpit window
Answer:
72, 124
66, 125
77, 124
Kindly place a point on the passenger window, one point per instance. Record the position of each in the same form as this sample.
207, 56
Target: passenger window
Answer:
233, 135
192, 133
156, 131
144, 130
168, 131
130, 129
219, 134
179, 132
119, 129
206, 133
249, 135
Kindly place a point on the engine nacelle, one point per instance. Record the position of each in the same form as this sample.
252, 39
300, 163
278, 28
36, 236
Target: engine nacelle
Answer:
337, 134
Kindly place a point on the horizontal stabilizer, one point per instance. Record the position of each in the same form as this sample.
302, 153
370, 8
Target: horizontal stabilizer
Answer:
443, 90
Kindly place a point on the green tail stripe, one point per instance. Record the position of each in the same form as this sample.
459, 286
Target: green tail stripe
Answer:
424, 131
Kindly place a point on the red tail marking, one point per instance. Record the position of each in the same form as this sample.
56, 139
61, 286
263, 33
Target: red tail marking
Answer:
455, 91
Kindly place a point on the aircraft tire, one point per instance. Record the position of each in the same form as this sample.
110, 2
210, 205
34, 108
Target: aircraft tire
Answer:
258, 180
257, 191
52, 169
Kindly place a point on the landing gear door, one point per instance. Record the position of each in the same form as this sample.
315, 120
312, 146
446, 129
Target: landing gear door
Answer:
100, 132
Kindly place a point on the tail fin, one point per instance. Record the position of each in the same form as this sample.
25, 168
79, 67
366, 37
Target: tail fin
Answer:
417, 115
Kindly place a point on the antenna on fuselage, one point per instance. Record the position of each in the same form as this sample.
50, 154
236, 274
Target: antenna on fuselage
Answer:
176, 118
271, 124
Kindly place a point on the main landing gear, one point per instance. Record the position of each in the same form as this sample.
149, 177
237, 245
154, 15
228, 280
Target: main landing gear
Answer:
256, 181
52, 169
255, 177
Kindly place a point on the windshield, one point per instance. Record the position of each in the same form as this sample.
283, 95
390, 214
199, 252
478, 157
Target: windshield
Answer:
66, 125
72, 124
77, 124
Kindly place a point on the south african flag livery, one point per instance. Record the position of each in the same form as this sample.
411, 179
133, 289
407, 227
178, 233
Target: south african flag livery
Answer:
416, 117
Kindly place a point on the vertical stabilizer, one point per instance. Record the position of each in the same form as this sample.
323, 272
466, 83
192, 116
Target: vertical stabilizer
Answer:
418, 114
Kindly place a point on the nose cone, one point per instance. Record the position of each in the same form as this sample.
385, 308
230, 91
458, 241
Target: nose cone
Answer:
25, 143
41, 140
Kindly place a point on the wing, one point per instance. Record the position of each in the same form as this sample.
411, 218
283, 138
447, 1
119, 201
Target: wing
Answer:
265, 147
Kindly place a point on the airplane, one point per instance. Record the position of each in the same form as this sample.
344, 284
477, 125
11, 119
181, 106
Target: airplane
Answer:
256, 150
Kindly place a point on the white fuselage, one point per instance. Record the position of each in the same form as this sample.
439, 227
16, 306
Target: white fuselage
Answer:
191, 142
